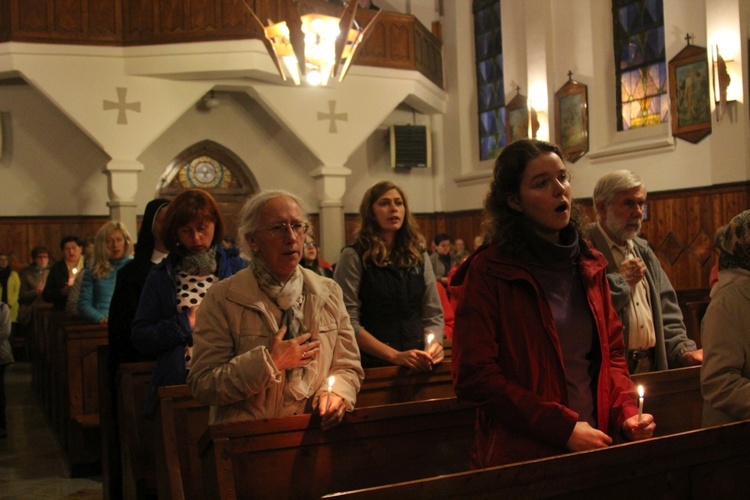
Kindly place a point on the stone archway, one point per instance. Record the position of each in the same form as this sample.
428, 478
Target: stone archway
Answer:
210, 166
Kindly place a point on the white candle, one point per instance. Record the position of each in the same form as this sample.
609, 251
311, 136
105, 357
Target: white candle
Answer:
428, 341
331, 379
640, 403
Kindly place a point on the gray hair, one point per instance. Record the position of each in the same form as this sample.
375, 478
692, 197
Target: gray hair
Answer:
249, 217
612, 183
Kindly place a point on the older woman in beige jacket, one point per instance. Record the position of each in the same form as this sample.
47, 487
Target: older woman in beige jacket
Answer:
268, 339
725, 331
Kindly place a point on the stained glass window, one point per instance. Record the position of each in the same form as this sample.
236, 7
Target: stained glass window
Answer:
488, 44
640, 63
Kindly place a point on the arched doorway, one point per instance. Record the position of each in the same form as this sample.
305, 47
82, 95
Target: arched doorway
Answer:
212, 167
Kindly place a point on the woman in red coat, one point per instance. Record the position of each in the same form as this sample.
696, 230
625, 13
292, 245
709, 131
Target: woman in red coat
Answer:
538, 346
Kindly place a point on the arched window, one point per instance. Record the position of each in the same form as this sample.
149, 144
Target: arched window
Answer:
488, 46
212, 167
640, 63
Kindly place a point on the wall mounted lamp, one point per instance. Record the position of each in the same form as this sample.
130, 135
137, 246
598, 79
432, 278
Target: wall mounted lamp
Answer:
305, 44
538, 117
727, 82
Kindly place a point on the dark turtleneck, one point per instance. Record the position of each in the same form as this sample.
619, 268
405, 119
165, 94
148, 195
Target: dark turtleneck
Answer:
555, 267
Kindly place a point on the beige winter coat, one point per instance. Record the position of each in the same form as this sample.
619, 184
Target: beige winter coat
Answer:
232, 369
725, 334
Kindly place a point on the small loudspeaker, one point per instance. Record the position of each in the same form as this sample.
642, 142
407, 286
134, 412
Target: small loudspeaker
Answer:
410, 146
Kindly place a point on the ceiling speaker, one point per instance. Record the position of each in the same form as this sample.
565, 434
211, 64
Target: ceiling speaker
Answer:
411, 146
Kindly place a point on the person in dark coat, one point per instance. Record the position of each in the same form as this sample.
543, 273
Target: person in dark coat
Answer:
149, 251
174, 289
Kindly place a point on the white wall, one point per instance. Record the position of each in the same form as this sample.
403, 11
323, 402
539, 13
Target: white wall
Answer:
54, 169
580, 39
49, 166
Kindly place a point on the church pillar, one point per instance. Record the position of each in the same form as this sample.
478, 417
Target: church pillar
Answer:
330, 183
122, 187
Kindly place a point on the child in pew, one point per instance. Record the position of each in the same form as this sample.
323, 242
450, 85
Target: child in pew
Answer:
538, 346
113, 249
389, 285
175, 287
725, 331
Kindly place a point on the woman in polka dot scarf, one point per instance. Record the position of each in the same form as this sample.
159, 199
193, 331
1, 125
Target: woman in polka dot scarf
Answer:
164, 323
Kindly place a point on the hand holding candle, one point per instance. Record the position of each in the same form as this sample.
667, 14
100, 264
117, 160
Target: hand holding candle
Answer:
640, 403
331, 379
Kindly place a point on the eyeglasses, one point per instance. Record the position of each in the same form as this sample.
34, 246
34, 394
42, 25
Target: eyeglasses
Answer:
309, 244
281, 229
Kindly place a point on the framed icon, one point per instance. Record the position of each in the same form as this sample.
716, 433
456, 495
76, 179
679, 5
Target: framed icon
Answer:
572, 119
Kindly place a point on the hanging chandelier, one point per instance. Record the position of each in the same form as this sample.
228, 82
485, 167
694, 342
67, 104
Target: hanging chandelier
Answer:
312, 47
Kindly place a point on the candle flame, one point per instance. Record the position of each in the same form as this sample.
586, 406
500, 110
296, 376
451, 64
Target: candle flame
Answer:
331, 379
430, 338
640, 391
75, 270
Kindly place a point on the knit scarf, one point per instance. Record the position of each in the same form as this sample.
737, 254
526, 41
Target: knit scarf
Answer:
198, 264
289, 298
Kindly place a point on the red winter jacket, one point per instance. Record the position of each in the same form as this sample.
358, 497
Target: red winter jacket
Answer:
508, 363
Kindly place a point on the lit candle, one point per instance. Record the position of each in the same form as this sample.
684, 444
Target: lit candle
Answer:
640, 402
71, 280
428, 341
331, 379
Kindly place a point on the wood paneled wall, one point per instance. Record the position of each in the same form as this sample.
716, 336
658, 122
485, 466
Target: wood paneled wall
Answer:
680, 227
396, 40
18, 235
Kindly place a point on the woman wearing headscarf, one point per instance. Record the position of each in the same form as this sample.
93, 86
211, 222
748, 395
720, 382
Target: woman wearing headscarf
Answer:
175, 288
149, 251
725, 331
268, 339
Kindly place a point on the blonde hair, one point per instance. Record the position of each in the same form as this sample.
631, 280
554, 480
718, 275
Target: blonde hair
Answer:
101, 266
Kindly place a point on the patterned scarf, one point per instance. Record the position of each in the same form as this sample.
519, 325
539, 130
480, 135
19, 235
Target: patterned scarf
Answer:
289, 297
735, 243
198, 264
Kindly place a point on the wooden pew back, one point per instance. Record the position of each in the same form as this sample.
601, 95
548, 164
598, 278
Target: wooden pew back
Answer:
292, 457
706, 463
674, 398
137, 434
182, 421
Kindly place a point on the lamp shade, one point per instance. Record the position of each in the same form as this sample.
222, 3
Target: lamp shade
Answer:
313, 46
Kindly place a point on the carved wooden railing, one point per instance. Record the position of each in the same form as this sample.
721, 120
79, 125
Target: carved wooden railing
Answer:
397, 40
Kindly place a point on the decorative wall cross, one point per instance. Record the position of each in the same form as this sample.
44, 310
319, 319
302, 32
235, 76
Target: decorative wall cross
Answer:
332, 116
122, 106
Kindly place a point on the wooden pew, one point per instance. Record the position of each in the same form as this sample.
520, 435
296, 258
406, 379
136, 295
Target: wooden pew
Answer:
706, 463
693, 304
69, 386
674, 398
182, 421
81, 394
45, 328
137, 434
390, 384
291, 457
